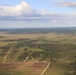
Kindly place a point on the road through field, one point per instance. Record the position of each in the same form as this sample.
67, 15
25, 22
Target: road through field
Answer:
6, 57
45, 68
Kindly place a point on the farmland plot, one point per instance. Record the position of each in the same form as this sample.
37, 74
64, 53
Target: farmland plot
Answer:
29, 68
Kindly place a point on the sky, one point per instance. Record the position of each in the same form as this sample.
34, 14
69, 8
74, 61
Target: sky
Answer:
37, 13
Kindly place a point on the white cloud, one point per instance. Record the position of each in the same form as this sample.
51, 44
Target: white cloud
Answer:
24, 12
55, 21
16, 10
67, 4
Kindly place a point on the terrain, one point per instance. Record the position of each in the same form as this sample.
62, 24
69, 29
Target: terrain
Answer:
41, 51
22, 68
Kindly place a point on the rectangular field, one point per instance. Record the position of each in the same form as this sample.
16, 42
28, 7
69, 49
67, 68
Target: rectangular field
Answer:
23, 68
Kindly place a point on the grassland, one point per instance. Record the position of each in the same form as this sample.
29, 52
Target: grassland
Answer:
50, 37
57, 68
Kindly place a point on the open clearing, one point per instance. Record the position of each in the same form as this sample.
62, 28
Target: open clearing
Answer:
29, 68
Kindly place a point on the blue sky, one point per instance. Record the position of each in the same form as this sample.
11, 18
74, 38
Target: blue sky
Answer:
37, 13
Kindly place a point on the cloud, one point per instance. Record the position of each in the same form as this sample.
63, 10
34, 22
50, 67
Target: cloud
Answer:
16, 10
24, 12
55, 21
67, 4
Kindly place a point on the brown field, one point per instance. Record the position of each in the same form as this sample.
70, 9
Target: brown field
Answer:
31, 68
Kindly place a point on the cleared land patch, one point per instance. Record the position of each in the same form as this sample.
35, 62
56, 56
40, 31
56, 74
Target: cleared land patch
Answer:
29, 68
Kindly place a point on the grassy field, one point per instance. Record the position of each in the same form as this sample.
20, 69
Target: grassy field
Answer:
49, 37
58, 67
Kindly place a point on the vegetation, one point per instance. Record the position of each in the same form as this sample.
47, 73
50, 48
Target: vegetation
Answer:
60, 50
